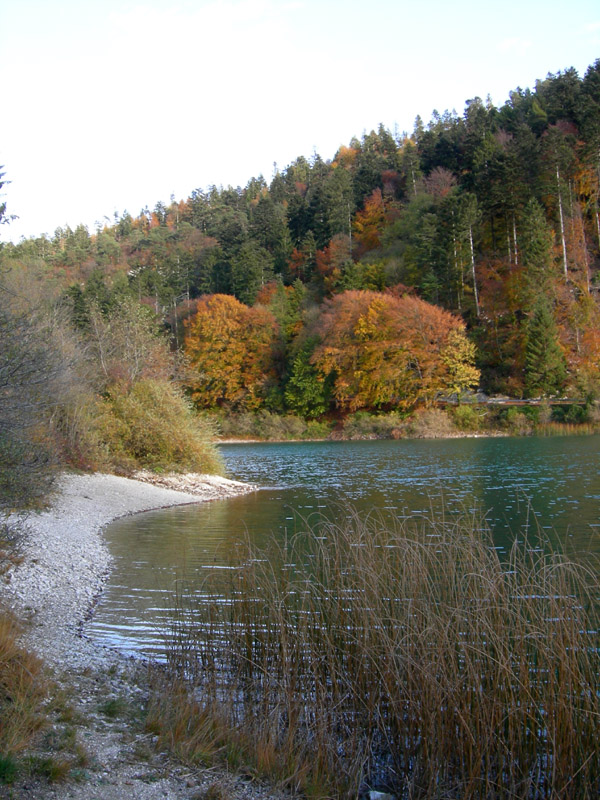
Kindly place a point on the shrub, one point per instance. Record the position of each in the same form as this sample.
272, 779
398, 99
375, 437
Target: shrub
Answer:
263, 425
362, 425
517, 422
430, 423
30, 374
467, 417
151, 425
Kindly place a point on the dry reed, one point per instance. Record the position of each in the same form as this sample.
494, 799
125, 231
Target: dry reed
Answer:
411, 657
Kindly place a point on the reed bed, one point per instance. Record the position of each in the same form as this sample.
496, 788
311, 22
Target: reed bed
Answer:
566, 429
409, 657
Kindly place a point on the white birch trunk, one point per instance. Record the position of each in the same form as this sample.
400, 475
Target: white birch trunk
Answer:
475, 293
562, 224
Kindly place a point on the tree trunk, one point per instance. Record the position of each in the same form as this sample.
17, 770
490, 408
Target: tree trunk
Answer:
475, 294
562, 224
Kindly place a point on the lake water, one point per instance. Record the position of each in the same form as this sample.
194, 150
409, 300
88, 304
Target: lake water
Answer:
519, 483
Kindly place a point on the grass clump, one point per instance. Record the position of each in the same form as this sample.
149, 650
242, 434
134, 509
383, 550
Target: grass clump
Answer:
114, 707
413, 658
23, 691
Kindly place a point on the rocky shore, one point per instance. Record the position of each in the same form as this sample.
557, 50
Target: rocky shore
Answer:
63, 565
65, 560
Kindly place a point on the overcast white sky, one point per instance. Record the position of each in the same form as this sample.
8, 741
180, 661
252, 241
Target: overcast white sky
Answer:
114, 105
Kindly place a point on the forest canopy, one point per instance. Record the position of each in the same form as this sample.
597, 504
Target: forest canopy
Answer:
464, 255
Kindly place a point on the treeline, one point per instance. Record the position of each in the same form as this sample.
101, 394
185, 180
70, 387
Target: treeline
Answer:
481, 231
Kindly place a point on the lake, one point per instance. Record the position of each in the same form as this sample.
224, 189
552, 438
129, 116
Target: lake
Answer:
519, 483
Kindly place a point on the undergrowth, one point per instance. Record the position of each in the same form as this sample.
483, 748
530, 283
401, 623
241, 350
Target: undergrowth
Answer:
151, 425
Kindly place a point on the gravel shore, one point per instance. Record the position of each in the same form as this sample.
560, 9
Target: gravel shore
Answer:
64, 563
65, 560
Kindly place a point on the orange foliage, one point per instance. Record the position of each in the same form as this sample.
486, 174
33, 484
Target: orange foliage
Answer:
331, 260
387, 351
368, 223
266, 293
345, 157
297, 264
230, 348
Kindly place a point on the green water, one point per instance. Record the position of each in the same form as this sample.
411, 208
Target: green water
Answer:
519, 483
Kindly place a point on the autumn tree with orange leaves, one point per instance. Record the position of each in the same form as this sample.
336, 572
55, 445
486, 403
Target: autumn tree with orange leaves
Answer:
230, 348
384, 351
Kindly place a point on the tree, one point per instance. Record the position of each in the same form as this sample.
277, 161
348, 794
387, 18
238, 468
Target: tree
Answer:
383, 351
307, 393
230, 348
332, 261
33, 372
368, 222
127, 344
545, 365
536, 248
251, 269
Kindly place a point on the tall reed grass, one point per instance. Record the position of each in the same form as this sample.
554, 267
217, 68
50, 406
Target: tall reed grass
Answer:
415, 658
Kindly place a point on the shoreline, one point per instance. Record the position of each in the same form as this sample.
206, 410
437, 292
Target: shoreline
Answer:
64, 561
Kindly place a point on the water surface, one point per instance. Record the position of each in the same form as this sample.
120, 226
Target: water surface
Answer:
520, 483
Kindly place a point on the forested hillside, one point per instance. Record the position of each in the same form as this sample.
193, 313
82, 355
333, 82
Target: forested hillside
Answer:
463, 255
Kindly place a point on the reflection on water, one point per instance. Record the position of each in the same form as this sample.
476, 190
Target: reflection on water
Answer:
519, 483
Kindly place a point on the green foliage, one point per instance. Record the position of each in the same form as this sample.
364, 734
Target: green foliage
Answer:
8, 769
467, 417
545, 367
306, 391
151, 425
251, 269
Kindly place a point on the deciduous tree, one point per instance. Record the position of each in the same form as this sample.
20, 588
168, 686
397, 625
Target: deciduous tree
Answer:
231, 352
385, 351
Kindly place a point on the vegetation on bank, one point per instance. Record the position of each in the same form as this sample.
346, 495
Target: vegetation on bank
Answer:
462, 256
405, 656
466, 419
106, 398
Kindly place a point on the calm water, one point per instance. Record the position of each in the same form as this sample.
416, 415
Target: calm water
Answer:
519, 483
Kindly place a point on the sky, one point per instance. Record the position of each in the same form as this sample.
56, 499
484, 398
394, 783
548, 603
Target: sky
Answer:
111, 106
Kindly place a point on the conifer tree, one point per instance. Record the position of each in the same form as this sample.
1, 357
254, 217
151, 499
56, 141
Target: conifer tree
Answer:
545, 365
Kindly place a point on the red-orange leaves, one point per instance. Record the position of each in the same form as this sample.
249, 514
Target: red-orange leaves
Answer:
230, 348
386, 351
